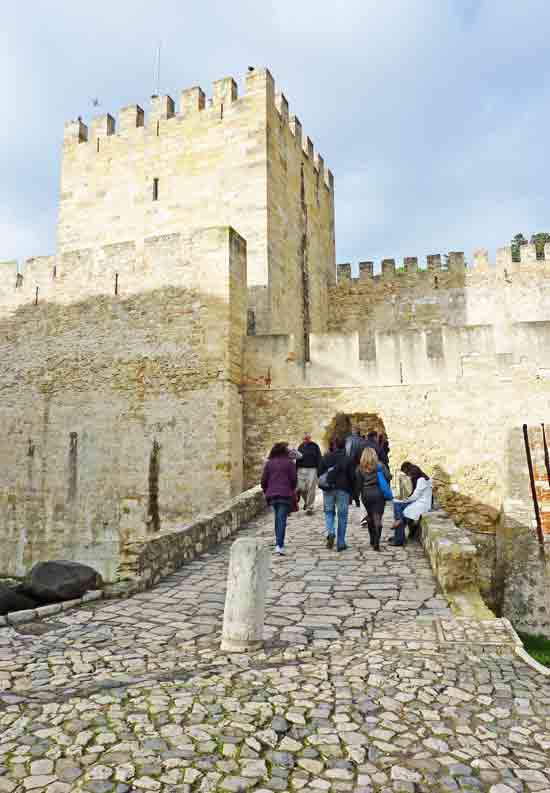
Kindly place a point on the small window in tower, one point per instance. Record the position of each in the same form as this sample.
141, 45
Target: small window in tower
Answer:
155, 189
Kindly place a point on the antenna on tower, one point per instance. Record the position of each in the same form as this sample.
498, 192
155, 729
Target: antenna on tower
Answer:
156, 90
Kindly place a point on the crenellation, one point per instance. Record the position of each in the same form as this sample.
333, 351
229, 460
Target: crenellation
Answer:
130, 118
9, 271
528, 254
192, 100
319, 165
307, 146
456, 262
75, 132
481, 259
224, 91
433, 261
456, 269
281, 103
366, 270
343, 272
102, 126
504, 259
260, 81
162, 109
296, 128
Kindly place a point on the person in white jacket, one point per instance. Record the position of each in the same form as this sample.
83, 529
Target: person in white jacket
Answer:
419, 502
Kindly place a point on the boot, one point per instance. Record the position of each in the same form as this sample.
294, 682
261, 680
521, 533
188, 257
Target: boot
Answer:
377, 533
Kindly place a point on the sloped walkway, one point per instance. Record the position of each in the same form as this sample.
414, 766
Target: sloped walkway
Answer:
367, 683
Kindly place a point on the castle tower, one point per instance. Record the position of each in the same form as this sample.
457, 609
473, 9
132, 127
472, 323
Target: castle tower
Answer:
229, 161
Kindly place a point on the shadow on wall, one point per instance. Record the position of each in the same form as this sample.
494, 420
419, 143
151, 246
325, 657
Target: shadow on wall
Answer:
126, 375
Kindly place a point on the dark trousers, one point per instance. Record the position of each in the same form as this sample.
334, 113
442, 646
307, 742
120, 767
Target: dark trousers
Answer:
374, 503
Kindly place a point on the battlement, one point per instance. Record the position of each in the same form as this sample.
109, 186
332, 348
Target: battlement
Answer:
122, 270
455, 264
194, 108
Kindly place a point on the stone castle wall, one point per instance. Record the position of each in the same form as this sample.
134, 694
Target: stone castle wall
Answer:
110, 396
235, 161
452, 368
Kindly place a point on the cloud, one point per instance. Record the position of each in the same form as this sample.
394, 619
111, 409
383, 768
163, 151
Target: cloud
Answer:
432, 115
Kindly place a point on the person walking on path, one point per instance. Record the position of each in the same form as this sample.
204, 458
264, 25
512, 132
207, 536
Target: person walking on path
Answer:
308, 468
340, 480
355, 443
279, 481
384, 449
419, 502
373, 496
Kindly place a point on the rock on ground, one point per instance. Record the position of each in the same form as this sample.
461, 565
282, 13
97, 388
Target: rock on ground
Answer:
51, 582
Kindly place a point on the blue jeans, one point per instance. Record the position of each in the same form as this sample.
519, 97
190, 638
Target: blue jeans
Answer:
398, 509
336, 501
281, 511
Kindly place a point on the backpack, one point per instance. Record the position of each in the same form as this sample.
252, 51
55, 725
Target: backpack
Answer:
325, 479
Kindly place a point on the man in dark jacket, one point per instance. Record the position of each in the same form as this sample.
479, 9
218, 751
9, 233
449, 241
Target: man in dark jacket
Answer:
308, 467
340, 469
355, 444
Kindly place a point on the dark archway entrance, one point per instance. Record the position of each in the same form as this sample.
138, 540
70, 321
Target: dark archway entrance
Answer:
341, 425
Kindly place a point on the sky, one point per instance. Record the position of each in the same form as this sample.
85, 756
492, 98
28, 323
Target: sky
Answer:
434, 115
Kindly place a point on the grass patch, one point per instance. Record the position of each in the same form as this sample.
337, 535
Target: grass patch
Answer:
538, 647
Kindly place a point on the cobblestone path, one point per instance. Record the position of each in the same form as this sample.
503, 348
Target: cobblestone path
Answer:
367, 683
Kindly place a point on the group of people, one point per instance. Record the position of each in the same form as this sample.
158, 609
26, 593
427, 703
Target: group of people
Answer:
355, 469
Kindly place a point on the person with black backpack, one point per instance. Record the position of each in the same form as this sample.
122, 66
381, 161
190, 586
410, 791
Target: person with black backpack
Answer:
373, 484
337, 481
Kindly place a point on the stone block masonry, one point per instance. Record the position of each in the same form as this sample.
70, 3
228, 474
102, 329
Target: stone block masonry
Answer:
100, 383
240, 161
146, 560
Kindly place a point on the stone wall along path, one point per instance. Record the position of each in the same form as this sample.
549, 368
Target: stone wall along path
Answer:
366, 683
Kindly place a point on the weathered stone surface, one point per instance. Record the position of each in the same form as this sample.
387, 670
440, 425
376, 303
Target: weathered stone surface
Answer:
247, 584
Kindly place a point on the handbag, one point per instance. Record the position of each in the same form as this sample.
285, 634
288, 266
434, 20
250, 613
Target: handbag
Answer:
383, 485
294, 503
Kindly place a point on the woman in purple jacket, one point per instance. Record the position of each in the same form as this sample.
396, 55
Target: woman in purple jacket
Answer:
279, 480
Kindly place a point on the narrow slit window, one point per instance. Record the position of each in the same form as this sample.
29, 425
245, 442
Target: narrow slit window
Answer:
98, 144
116, 283
158, 128
155, 189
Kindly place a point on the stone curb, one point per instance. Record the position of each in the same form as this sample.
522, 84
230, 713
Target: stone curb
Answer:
21, 617
522, 653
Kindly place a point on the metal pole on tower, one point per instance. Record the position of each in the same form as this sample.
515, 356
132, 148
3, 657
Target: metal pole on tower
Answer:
157, 89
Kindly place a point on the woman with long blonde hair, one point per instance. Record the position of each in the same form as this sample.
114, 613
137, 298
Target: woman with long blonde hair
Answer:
372, 495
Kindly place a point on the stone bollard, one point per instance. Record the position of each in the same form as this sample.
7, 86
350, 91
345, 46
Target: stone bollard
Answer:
247, 583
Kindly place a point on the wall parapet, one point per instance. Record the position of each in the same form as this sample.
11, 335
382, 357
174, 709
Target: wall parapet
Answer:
102, 133
148, 559
455, 263
453, 558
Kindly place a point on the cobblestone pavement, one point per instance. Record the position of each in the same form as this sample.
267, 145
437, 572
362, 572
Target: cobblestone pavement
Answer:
367, 683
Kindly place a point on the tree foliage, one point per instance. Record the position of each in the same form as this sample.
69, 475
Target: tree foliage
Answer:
538, 240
